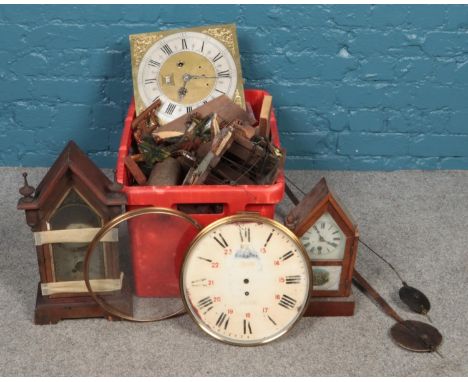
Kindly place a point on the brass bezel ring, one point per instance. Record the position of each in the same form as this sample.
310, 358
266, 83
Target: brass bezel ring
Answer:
104, 230
243, 217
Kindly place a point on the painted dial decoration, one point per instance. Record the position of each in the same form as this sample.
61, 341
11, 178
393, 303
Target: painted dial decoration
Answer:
185, 70
324, 240
245, 280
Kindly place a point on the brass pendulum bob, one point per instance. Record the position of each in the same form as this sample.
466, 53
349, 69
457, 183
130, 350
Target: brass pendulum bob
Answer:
412, 335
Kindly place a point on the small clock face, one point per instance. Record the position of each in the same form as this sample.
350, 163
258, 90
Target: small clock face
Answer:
246, 281
185, 70
324, 240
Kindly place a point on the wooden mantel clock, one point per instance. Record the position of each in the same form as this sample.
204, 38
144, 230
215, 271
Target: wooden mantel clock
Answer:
72, 202
330, 237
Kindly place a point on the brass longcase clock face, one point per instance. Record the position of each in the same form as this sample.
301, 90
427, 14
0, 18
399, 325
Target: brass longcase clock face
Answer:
185, 69
245, 280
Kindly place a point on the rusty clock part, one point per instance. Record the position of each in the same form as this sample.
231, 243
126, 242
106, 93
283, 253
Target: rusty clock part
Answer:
99, 297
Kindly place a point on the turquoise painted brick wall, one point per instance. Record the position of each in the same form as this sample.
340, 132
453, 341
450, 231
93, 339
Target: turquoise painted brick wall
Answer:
355, 87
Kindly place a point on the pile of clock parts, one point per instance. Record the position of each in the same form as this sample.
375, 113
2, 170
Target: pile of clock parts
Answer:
219, 143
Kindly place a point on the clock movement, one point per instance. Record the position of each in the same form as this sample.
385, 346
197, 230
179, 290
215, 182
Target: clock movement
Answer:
69, 206
330, 237
245, 279
185, 69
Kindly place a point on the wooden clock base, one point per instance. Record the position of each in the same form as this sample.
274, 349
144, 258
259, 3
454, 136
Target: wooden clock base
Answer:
331, 306
52, 310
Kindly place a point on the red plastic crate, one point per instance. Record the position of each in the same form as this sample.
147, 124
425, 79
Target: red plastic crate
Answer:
156, 272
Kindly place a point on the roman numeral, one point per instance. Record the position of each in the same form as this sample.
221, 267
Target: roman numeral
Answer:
268, 238
322, 225
293, 279
205, 102
287, 255
244, 234
170, 108
189, 109
153, 63
205, 303
247, 327
155, 99
271, 319
219, 56
150, 81
221, 319
334, 245
166, 49
224, 73
221, 241
306, 244
202, 46
200, 282
287, 302
184, 44
336, 239
220, 91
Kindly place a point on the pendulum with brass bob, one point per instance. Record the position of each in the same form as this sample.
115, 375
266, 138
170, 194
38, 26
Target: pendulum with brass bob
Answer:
412, 335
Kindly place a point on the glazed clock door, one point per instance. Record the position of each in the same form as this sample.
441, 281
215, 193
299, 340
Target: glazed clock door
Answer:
67, 258
185, 70
326, 243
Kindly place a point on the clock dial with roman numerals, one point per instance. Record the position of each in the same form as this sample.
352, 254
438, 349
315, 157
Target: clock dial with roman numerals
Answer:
324, 240
245, 280
185, 70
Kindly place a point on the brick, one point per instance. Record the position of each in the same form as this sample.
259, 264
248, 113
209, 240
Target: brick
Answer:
108, 117
457, 17
376, 68
300, 120
73, 117
372, 144
366, 121
426, 16
387, 16
414, 69
339, 120
310, 143
32, 64
60, 90
439, 145
350, 15
458, 123
454, 164
33, 117
446, 43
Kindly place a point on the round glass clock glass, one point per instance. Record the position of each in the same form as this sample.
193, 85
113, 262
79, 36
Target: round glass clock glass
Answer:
185, 69
245, 280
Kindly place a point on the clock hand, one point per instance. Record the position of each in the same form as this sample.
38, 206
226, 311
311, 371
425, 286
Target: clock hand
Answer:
183, 90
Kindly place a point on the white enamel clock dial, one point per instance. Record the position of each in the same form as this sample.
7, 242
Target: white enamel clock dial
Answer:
245, 280
185, 70
324, 240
